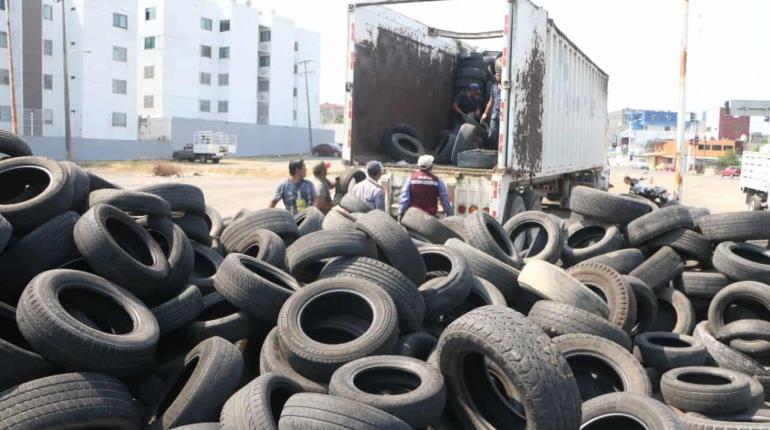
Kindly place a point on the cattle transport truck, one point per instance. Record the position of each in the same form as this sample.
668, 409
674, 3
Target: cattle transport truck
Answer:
553, 106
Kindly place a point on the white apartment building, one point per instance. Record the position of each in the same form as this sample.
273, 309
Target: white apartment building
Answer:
101, 53
224, 60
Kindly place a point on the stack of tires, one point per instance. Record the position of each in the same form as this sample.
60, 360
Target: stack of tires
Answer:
403, 142
117, 315
474, 68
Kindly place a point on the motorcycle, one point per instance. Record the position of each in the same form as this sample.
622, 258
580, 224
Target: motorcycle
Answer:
658, 195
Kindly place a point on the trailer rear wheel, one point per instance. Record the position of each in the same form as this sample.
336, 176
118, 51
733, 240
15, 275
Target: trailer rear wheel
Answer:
755, 203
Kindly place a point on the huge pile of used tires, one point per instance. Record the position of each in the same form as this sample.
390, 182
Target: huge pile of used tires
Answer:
130, 309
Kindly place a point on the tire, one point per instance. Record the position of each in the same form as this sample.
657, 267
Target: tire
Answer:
394, 245
624, 260
610, 208
272, 358
195, 227
6, 231
342, 186
464, 140
263, 245
514, 205
254, 286
13, 146
703, 285
587, 239
754, 292
322, 412
482, 293
276, 220
27, 363
47, 247
309, 221
665, 350
523, 223
179, 311
743, 261
444, 293
613, 287
134, 203
214, 221
660, 269
714, 390
179, 253
124, 341
69, 400
656, 223
405, 387
311, 354
401, 146
683, 309
181, 197
553, 283
480, 342
353, 204
218, 318
623, 410
646, 305
196, 392
694, 421
456, 224
258, 404
338, 219
558, 319
34, 190
81, 186
99, 183
477, 159
744, 329
417, 345
472, 73
121, 250
735, 226
410, 304
407, 129
487, 235
501, 275
304, 258
688, 244
443, 150
426, 225
755, 203
206, 263
611, 366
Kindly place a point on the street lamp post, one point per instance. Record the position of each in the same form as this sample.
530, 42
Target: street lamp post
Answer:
307, 99
67, 130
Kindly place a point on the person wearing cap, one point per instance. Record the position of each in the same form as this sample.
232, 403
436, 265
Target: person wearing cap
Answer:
370, 191
323, 200
297, 193
492, 112
423, 189
468, 101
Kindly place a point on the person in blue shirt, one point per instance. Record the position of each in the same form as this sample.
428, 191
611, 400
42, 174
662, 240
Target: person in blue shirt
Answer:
297, 193
492, 113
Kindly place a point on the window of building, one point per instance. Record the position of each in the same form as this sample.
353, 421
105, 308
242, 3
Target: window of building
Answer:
204, 105
223, 106
47, 47
149, 72
207, 24
263, 85
48, 12
149, 14
700, 147
149, 42
296, 46
149, 102
295, 91
716, 147
2, 4
224, 25
119, 20
5, 77
47, 82
654, 117
264, 61
264, 36
296, 69
205, 78
224, 52
294, 114
205, 51
3, 39
5, 114
47, 116
119, 119
707, 147
224, 79
119, 86
119, 53
667, 128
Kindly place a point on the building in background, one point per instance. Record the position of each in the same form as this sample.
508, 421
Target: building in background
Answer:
332, 118
635, 130
101, 54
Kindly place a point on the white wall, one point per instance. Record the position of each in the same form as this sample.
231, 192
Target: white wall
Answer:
309, 49
282, 77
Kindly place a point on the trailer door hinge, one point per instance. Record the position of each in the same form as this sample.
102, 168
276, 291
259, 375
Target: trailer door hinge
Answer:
348, 87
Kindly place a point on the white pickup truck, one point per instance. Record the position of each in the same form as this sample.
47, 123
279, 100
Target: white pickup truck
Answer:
207, 146
553, 118
755, 178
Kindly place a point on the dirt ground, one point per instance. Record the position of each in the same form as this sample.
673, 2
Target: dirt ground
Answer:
250, 183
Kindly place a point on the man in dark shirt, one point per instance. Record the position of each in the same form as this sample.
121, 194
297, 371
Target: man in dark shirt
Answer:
468, 101
297, 193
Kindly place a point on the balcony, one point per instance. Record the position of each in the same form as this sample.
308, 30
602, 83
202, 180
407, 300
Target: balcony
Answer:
264, 47
263, 97
264, 72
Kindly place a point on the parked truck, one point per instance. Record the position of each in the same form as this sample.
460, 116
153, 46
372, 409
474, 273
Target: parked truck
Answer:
207, 146
553, 111
755, 178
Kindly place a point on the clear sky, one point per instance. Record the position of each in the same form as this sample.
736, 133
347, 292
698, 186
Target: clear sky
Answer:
635, 41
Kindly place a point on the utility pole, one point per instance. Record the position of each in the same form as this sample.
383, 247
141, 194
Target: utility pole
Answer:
307, 99
681, 165
67, 131
12, 75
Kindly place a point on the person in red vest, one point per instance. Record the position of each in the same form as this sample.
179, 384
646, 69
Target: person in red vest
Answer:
424, 189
